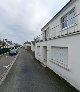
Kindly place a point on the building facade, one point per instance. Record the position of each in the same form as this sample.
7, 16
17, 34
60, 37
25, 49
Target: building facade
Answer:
33, 46
27, 45
59, 47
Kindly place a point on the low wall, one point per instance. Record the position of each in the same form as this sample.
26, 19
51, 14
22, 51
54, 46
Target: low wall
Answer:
69, 69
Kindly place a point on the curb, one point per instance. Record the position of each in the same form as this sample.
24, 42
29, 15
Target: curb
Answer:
4, 75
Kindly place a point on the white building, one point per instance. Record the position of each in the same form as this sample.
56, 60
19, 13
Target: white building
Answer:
60, 48
27, 45
8, 44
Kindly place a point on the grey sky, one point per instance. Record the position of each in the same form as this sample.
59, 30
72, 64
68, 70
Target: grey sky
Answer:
22, 20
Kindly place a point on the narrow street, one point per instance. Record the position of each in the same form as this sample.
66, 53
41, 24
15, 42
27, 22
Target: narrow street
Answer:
27, 75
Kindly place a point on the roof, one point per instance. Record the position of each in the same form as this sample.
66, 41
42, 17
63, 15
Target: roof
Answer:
9, 42
33, 42
66, 6
27, 43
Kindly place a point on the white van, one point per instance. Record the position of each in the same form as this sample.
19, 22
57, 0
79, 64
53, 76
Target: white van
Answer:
13, 51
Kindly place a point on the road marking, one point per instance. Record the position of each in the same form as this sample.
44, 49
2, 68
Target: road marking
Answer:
3, 76
6, 66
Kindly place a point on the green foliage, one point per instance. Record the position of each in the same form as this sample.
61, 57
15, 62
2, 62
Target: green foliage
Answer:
4, 50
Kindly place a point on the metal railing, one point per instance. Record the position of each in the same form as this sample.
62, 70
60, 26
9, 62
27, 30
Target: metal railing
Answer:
58, 31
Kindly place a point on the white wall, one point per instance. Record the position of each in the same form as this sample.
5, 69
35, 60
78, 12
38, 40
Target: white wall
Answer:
25, 45
38, 53
32, 47
70, 71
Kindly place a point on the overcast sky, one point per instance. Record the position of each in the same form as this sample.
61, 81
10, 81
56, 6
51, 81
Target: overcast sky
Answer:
22, 20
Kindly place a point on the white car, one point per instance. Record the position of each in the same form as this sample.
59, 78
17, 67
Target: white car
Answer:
13, 51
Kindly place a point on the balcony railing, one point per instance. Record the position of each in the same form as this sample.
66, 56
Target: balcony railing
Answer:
38, 38
57, 31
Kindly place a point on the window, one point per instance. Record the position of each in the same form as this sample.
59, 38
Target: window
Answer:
64, 22
71, 17
68, 19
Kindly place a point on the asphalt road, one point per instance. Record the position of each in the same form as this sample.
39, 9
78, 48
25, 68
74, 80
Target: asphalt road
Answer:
27, 75
5, 61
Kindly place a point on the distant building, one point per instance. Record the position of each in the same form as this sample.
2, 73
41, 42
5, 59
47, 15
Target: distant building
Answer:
27, 45
0, 43
4, 43
60, 46
8, 44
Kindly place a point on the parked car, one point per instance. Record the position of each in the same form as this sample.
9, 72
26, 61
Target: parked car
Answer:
13, 51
